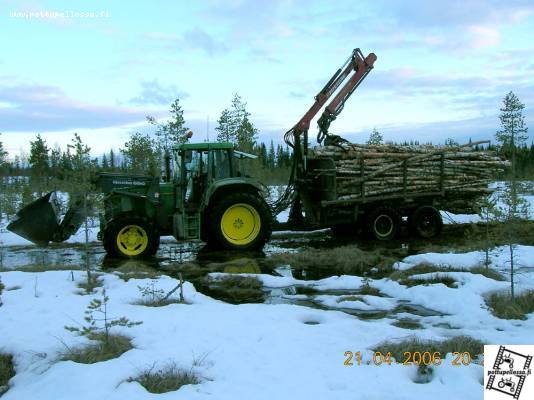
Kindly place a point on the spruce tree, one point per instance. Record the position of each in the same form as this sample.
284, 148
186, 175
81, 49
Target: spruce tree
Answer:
271, 156
224, 128
55, 161
375, 137
112, 161
173, 131
105, 164
3, 154
39, 163
141, 154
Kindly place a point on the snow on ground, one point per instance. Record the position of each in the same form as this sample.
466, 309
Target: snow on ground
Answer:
499, 259
254, 351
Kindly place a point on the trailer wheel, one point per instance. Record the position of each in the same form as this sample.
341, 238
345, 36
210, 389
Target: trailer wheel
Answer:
425, 222
239, 221
130, 237
383, 223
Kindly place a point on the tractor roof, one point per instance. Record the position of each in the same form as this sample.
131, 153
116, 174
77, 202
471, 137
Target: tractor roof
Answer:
203, 146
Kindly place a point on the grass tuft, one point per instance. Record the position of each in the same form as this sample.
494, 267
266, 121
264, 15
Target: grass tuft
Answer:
350, 298
166, 379
502, 306
367, 289
422, 268
344, 259
89, 285
236, 289
488, 273
100, 350
7, 371
147, 302
434, 279
405, 277
44, 268
407, 323
458, 343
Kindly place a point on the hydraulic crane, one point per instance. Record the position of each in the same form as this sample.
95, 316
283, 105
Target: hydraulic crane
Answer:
357, 67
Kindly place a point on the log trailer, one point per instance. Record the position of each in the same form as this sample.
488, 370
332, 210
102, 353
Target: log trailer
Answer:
203, 196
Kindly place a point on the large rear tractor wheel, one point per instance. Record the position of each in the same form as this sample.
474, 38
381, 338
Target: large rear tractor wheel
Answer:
130, 237
239, 221
383, 223
425, 222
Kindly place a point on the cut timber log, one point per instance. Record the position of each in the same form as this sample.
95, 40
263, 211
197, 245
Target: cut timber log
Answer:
458, 173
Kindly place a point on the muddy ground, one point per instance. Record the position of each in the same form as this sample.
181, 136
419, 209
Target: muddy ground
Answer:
305, 256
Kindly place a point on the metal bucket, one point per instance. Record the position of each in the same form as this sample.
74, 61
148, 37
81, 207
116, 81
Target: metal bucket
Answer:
38, 222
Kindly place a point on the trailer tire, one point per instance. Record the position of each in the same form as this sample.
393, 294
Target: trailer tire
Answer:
383, 223
130, 237
425, 222
239, 221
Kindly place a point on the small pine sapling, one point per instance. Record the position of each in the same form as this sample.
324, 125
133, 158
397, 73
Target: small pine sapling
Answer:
151, 293
488, 214
99, 323
153, 296
511, 212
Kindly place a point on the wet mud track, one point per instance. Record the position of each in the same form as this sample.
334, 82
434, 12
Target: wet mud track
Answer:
194, 261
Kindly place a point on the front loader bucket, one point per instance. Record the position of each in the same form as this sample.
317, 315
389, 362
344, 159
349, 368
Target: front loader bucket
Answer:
38, 221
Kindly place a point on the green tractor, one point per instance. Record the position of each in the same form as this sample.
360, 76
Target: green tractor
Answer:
202, 196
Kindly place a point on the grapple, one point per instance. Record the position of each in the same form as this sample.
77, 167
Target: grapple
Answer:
38, 222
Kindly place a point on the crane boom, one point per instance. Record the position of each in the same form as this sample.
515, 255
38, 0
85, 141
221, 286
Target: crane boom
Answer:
357, 65
297, 137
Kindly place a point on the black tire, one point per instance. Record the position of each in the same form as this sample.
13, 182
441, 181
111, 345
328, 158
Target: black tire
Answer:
383, 223
121, 249
257, 226
425, 222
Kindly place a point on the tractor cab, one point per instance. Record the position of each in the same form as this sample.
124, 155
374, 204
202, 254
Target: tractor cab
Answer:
213, 201
196, 166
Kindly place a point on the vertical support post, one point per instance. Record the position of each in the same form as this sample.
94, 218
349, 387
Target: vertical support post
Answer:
442, 173
404, 177
362, 175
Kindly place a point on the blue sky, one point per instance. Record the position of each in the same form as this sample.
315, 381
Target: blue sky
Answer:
442, 68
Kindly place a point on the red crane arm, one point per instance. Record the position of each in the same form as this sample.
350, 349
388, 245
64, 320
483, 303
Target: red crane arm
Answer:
355, 63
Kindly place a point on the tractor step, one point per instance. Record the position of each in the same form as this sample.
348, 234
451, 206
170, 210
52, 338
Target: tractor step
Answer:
192, 225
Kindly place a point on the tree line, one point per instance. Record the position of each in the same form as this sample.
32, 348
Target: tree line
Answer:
50, 168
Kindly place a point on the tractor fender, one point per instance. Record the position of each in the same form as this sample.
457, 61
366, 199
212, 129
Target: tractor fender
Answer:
232, 185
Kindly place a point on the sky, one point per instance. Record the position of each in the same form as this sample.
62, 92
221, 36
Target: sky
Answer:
443, 67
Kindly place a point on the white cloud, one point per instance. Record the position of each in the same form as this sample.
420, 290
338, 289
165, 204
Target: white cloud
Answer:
483, 36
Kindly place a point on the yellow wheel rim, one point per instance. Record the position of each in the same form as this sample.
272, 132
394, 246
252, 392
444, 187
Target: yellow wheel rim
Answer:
383, 225
132, 240
240, 224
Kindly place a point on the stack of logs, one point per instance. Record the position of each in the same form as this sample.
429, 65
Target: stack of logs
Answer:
462, 173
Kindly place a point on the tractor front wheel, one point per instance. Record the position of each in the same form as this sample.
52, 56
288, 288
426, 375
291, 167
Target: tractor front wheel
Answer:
239, 221
130, 237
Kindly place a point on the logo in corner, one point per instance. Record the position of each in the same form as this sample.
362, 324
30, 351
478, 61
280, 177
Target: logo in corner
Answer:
507, 372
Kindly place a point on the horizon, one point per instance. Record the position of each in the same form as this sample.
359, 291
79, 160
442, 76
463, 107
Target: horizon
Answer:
442, 69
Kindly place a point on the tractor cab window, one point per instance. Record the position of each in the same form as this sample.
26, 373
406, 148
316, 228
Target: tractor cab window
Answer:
220, 164
196, 170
